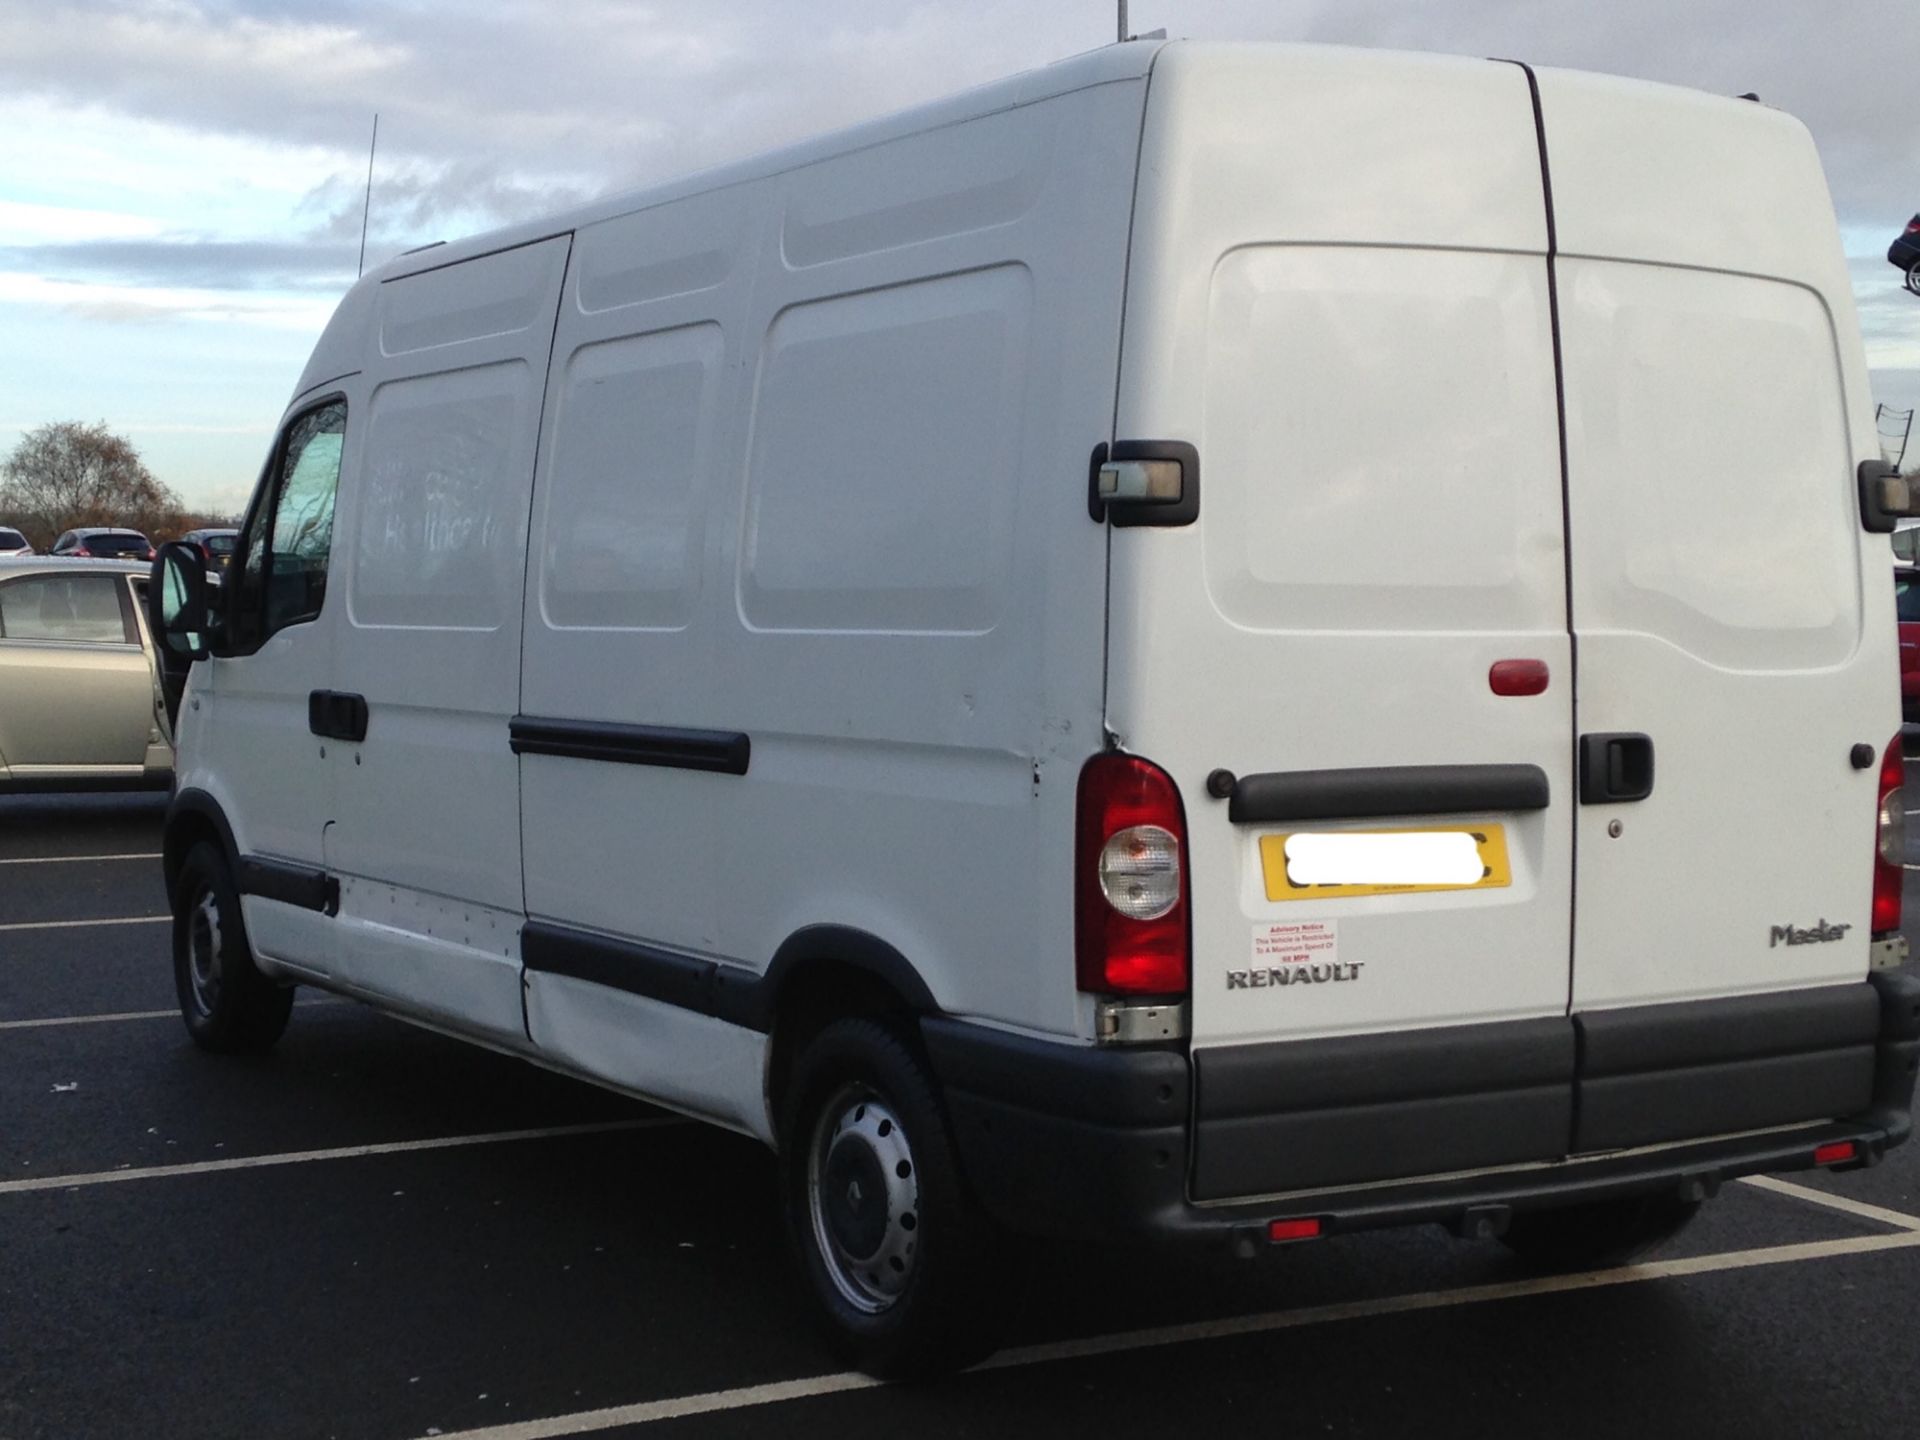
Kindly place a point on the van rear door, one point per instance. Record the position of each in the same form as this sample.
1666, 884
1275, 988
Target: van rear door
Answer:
1339, 295
1730, 615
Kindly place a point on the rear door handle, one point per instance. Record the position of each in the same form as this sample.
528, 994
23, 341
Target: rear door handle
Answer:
337, 715
1615, 768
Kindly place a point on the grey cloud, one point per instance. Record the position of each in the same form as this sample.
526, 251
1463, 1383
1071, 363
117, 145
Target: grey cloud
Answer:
214, 265
494, 109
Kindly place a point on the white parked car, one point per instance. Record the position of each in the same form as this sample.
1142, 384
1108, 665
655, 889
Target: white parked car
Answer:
13, 543
1027, 654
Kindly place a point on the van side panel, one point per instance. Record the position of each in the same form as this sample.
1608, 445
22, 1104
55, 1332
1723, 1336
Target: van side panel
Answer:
430, 547
928, 694
624, 595
816, 480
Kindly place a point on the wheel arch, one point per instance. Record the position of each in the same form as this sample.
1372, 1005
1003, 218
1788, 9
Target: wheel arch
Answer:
192, 817
822, 973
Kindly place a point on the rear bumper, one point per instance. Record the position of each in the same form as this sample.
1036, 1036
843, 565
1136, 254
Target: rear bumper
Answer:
1373, 1131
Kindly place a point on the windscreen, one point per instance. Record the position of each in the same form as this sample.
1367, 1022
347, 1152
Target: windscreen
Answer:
11, 539
117, 544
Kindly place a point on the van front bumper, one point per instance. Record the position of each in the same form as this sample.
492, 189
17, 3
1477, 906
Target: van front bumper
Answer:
1143, 1144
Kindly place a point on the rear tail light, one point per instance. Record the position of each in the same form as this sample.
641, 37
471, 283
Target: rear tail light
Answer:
1131, 918
1913, 226
1890, 843
81, 550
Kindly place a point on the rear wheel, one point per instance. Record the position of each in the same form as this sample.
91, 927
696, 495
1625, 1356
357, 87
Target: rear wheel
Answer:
1598, 1235
1913, 277
229, 1006
894, 1251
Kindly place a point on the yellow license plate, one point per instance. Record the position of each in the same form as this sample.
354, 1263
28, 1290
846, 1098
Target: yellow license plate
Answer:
1336, 864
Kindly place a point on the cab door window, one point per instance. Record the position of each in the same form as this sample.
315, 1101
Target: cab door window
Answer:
288, 541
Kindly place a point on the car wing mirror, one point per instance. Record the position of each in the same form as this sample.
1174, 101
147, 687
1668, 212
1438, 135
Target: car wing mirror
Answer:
1886, 497
177, 612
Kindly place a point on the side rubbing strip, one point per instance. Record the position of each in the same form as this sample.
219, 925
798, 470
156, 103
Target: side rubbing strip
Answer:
290, 884
725, 992
724, 752
1388, 790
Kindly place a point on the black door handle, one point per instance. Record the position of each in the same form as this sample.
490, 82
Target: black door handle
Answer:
337, 715
1615, 768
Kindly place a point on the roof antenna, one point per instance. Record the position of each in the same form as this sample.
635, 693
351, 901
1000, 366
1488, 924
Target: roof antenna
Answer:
1123, 20
367, 208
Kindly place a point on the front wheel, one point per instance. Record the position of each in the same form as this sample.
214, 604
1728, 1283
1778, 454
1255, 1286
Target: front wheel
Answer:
229, 1006
894, 1251
1600, 1234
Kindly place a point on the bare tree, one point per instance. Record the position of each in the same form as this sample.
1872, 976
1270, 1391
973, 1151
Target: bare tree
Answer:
68, 474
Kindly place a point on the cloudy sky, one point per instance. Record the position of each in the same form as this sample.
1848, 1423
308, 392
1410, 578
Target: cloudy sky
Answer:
181, 180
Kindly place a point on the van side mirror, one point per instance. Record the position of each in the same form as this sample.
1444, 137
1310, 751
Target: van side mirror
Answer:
1885, 497
177, 601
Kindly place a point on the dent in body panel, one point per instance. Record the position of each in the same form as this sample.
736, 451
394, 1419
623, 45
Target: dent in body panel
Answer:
689, 1062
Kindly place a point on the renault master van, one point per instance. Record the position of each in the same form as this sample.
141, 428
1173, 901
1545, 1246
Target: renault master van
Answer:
1214, 644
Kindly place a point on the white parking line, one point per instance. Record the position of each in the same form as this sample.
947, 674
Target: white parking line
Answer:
173, 1014
86, 1019
83, 859
80, 924
1834, 1202
647, 1412
344, 1152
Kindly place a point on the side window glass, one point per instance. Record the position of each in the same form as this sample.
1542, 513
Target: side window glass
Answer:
82, 608
282, 576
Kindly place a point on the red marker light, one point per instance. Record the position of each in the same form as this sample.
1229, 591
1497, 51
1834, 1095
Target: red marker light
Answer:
1280, 1230
1835, 1153
1518, 677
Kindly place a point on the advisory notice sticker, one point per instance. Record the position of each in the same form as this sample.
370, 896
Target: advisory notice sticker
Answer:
1296, 942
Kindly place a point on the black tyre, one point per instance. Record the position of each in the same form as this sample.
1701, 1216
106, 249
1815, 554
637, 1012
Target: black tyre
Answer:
1598, 1235
1913, 277
895, 1253
229, 1006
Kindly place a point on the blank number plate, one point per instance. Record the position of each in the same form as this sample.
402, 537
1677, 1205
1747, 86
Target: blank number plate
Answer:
1334, 864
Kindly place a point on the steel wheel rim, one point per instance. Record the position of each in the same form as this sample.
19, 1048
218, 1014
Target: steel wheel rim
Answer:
203, 952
863, 1199
1913, 277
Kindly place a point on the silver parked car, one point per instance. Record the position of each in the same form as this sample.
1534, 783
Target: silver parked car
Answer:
12, 542
82, 690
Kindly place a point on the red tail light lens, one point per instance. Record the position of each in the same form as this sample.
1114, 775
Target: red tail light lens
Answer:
1913, 225
1890, 847
81, 550
1131, 918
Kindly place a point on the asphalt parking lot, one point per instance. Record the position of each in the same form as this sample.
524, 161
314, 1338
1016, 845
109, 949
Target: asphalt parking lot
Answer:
376, 1232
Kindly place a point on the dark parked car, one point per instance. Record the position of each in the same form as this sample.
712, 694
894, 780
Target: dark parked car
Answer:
103, 542
1905, 253
215, 546
1906, 603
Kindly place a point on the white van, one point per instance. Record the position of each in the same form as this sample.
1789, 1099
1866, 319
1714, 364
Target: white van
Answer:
1217, 642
